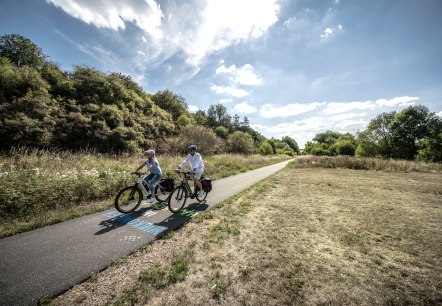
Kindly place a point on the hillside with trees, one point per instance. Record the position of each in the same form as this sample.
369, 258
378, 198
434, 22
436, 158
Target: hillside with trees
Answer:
43, 107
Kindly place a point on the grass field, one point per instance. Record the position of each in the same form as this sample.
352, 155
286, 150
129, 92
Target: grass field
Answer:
306, 236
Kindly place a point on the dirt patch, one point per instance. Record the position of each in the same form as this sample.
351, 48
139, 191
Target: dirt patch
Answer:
304, 236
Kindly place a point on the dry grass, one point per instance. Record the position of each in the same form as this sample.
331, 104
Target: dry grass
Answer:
309, 236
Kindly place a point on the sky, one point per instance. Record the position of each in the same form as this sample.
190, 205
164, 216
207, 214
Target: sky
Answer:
292, 67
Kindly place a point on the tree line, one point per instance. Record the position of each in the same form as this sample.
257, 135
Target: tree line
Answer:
413, 133
42, 106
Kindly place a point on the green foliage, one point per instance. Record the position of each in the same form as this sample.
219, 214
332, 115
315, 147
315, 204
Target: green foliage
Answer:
78, 110
222, 131
200, 118
183, 121
413, 132
291, 142
240, 142
217, 115
265, 148
345, 147
21, 51
173, 103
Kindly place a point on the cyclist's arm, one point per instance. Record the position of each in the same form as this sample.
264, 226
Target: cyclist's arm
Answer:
140, 166
185, 161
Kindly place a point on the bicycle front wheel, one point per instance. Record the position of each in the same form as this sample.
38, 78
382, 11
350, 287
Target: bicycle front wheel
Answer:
128, 199
177, 199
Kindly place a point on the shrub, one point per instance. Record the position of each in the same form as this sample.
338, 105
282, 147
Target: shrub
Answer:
240, 142
265, 148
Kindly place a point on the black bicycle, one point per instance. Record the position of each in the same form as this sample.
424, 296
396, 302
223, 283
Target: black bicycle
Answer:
129, 198
179, 195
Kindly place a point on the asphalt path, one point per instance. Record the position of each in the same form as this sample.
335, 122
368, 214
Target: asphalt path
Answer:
50, 260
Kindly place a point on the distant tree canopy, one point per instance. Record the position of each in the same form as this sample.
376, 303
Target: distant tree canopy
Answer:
413, 133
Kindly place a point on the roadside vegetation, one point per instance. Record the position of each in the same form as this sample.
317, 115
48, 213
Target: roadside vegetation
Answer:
47, 187
305, 236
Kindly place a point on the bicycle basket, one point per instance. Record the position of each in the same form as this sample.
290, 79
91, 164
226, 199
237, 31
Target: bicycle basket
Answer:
168, 184
207, 184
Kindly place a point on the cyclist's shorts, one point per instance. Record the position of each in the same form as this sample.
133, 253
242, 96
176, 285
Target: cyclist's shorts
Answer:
197, 175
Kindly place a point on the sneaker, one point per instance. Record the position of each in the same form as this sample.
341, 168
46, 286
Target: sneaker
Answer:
200, 193
151, 200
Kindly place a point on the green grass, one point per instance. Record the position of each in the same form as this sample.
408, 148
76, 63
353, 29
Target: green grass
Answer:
46, 187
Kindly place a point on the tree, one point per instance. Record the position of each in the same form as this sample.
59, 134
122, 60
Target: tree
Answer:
21, 51
217, 115
345, 147
200, 117
171, 102
409, 127
376, 139
291, 142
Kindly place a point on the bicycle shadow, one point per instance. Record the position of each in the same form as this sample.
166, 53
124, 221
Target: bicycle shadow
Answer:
171, 222
117, 219
178, 219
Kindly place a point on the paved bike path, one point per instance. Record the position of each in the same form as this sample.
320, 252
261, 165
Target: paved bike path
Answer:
52, 259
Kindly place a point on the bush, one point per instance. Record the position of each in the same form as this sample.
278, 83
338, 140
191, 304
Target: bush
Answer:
265, 148
240, 142
345, 147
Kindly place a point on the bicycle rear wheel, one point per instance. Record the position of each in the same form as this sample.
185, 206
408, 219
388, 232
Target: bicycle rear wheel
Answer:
161, 193
201, 197
128, 199
177, 199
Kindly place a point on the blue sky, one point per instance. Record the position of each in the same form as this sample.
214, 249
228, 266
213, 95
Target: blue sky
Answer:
292, 67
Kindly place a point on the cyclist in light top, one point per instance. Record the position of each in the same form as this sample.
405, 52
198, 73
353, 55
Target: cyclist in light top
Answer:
196, 164
155, 172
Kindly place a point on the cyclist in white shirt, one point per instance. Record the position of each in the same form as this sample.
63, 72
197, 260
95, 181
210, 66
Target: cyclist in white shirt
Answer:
196, 164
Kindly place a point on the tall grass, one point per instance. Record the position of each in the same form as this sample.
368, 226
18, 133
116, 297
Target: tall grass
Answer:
51, 186
365, 163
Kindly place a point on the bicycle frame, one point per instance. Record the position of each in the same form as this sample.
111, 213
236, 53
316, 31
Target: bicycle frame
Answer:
185, 183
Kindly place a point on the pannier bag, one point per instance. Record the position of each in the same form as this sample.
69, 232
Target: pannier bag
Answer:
167, 184
207, 184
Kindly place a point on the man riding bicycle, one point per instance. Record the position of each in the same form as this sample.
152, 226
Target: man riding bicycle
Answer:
196, 164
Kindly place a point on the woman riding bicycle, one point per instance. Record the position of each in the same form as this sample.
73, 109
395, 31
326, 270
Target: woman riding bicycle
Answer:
196, 164
155, 172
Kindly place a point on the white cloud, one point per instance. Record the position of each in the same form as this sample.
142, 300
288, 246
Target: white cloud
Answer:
347, 116
244, 108
192, 30
269, 111
244, 75
331, 31
193, 108
231, 91
398, 101
327, 32
113, 14
220, 24
337, 108
224, 101
439, 114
